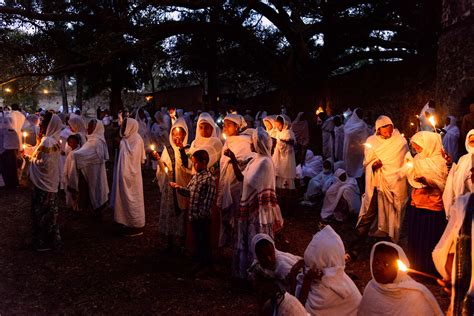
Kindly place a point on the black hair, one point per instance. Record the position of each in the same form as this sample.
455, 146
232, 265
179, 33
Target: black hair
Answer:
337, 120
74, 136
201, 156
15, 107
280, 119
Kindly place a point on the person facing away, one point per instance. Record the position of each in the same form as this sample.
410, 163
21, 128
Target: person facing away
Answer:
459, 181
201, 191
386, 191
453, 255
326, 289
127, 189
355, 134
391, 291
451, 138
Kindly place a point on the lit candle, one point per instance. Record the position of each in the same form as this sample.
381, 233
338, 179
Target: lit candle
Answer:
433, 122
166, 169
409, 165
367, 145
24, 138
224, 136
403, 267
152, 147
412, 124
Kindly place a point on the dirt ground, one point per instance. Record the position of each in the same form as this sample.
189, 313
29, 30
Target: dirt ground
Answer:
99, 272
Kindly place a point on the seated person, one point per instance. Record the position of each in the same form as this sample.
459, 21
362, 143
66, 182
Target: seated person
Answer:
284, 266
319, 184
326, 289
342, 198
310, 168
391, 291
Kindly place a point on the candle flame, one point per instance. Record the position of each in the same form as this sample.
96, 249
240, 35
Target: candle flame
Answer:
403, 135
401, 266
166, 169
152, 147
319, 110
432, 121
410, 164
25, 134
24, 146
224, 136
367, 145
412, 124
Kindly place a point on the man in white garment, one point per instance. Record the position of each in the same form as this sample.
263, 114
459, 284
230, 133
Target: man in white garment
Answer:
385, 197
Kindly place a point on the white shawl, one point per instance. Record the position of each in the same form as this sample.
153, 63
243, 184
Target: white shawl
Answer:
447, 242
212, 145
458, 182
402, 297
284, 154
328, 140
44, 167
78, 126
319, 184
182, 176
392, 189
273, 131
313, 165
347, 189
355, 134
127, 190
451, 138
335, 293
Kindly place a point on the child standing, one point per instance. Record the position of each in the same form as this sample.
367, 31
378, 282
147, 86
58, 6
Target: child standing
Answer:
72, 194
201, 191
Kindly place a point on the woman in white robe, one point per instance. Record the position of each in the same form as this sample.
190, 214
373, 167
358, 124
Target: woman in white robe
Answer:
403, 296
173, 166
45, 177
333, 293
284, 155
459, 181
342, 197
383, 159
90, 160
355, 135
127, 189
451, 138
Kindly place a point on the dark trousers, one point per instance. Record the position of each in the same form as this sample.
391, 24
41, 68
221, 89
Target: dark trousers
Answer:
8, 168
202, 240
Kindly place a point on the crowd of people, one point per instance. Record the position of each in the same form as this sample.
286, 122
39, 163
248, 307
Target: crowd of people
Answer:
227, 181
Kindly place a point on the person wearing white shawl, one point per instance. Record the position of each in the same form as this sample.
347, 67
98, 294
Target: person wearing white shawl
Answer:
338, 138
427, 173
393, 292
45, 177
355, 134
283, 265
207, 139
89, 167
127, 189
383, 158
311, 167
11, 143
159, 132
424, 116
454, 252
229, 188
172, 167
78, 126
327, 129
459, 181
269, 122
301, 130
342, 198
143, 126
284, 161
326, 288
319, 184
259, 210
451, 138
69, 171
31, 127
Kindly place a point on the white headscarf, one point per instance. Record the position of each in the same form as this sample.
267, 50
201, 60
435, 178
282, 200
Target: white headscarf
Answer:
95, 150
355, 134
78, 126
44, 167
402, 297
237, 119
271, 119
451, 138
429, 163
325, 252
212, 145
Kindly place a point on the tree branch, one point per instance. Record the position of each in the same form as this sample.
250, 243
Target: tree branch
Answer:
65, 17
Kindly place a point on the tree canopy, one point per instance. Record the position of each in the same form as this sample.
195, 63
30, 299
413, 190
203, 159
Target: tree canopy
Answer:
242, 47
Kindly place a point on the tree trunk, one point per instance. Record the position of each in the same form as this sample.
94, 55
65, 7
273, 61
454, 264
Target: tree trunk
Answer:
79, 89
64, 95
116, 103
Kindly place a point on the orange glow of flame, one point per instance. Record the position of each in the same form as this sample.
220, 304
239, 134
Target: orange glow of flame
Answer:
367, 145
432, 121
152, 147
224, 136
401, 266
410, 164
166, 169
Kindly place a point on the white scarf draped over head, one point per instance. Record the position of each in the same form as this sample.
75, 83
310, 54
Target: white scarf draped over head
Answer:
347, 189
335, 293
95, 150
391, 186
212, 144
355, 134
403, 296
313, 165
284, 260
273, 131
429, 163
458, 182
237, 119
284, 154
44, 167
259, 182
78, 126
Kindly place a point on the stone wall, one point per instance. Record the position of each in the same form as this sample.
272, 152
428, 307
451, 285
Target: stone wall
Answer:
455, 77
